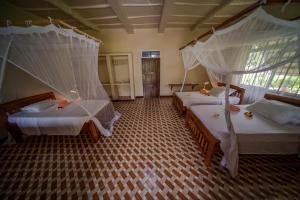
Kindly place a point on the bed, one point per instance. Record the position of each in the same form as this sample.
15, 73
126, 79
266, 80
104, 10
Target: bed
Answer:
255, 136
70, 120
183, 100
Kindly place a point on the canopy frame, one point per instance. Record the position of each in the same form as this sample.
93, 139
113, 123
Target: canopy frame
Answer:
57, 22
212, 53
75, 57
236, 18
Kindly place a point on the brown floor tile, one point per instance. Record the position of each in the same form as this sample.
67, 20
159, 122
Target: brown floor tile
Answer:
151, 155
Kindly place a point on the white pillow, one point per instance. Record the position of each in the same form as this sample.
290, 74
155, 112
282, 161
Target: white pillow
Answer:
217, 91
279, 112
40, 106
220, 91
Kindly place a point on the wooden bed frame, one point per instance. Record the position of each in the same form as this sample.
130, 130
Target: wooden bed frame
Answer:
182, 109
207, 142
15, 106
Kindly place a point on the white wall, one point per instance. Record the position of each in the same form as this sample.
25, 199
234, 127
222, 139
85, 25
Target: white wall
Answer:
18, 84
168, 43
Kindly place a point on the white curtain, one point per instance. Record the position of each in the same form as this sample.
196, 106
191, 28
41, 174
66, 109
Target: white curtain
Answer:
227, 51
214, 77
62, 59
190, 62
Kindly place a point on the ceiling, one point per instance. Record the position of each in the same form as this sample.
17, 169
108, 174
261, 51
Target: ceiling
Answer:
135, 14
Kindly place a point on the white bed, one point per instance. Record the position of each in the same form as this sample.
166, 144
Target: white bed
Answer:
255, 136
66, 121
196, 98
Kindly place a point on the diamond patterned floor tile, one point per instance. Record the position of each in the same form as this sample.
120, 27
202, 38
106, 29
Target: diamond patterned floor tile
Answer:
151, 155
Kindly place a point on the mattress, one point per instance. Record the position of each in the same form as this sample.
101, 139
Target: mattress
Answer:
255, 136
196, 98
66, 121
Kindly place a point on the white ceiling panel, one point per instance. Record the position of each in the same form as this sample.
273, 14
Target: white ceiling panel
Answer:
144, 20
191, 10
197, 2
143, 10
137, 2
95, 12
183, 19
55, 14
31, 4
131, 14
106, 21
140, 26
178, 25
242, 2
108, 26
231, 10
216, 20
85, 2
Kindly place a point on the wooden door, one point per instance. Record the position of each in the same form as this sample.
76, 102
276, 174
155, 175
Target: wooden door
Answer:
151, 77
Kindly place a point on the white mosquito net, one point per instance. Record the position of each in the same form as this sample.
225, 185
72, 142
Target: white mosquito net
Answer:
62, 59
227, 51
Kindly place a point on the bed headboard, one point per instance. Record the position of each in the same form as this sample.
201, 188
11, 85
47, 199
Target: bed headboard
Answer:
240, 92
285, 99
15, 105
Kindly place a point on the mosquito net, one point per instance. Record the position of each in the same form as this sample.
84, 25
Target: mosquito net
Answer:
227, 53
62, 59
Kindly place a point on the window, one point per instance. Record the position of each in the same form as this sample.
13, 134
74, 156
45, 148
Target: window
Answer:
284, 79
150, 54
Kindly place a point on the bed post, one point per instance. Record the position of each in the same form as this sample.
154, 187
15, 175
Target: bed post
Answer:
15, 132
12, 129
93, 131
178, 104
240, 92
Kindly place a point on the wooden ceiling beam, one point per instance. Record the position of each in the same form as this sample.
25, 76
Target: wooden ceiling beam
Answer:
117, 7
91, 6
40, 9
67, 9
143, 16
167, 7
141, 4
179, 3
211, 13
99, 18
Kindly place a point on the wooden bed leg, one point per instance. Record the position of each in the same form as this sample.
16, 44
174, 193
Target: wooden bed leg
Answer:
179, 105
209, 154
15, 132
92, 131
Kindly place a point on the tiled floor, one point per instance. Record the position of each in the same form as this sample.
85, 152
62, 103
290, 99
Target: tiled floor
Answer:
150, 156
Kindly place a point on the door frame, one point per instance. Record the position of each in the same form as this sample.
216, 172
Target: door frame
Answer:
158, 74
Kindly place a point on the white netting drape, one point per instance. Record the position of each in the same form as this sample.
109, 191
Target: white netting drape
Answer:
227, 51
62, 59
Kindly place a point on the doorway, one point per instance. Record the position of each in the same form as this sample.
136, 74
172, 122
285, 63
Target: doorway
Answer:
151, 77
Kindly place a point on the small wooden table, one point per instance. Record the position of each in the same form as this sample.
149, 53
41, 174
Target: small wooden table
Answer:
192, 85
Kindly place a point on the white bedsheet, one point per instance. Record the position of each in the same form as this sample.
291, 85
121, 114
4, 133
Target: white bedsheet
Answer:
196, 98
256, 130
66, 121
255, 136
